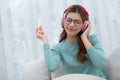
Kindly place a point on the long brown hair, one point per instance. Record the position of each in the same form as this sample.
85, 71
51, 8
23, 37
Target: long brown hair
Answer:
81, 54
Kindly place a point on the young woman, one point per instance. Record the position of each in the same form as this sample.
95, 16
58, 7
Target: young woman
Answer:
79, 51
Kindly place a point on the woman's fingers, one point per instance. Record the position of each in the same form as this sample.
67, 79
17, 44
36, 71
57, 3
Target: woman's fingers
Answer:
39, 32
40, 28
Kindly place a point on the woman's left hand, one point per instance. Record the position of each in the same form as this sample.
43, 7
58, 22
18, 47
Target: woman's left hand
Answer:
87, 31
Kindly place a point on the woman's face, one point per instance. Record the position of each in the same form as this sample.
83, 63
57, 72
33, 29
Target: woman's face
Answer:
73, 23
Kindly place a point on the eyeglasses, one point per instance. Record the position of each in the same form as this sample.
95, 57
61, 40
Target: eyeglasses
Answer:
75, 21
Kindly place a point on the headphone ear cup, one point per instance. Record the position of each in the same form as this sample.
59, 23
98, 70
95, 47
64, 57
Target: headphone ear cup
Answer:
62, 22
84, 26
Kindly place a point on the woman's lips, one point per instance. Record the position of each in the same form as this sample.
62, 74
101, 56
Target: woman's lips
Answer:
70, 30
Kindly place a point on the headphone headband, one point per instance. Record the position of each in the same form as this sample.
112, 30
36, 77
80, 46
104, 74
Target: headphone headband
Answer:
81, 7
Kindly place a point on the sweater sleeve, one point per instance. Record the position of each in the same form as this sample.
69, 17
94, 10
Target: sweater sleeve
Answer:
95, 52
52, 57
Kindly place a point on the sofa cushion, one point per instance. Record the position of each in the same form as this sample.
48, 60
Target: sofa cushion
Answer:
112, 67
35, 70
79, 77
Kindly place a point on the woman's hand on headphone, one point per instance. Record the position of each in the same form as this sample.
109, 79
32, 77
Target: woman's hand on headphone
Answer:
87, 31
40, 34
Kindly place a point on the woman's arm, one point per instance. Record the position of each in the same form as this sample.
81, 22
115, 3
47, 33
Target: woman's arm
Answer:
93, 47
52, 57
95, 51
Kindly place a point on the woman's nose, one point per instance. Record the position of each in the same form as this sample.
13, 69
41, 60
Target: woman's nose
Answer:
72, 23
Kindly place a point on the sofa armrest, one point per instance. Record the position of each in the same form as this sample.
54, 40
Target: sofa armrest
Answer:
35, 70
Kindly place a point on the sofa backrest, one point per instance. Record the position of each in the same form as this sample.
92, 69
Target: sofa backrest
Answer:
112, 67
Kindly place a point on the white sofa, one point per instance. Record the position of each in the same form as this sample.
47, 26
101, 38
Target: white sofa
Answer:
36, 70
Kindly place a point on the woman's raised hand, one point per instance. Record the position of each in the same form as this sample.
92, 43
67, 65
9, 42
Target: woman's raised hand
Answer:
87, 31
40, 34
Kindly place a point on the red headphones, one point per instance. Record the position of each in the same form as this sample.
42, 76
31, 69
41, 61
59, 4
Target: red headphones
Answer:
81, 7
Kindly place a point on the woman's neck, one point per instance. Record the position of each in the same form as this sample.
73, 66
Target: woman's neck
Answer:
71, 39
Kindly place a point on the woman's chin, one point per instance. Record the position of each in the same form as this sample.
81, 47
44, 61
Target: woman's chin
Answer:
70, 34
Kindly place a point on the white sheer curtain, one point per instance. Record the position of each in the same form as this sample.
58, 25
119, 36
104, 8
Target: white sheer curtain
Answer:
19, 19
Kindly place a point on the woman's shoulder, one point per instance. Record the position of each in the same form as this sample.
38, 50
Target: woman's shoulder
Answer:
93, 37
57, 45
